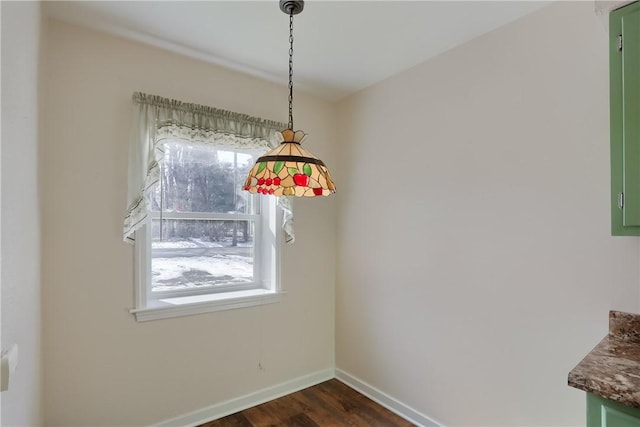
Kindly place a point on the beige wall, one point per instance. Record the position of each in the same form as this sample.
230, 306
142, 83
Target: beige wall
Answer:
101, 367
476, 267
20, 243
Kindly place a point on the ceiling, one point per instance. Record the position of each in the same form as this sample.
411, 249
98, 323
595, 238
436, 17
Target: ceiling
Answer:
340, 46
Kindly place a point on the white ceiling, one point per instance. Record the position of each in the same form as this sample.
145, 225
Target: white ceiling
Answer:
340, 46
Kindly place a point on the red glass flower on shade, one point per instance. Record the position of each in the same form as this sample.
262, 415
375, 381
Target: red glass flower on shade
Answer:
290, 170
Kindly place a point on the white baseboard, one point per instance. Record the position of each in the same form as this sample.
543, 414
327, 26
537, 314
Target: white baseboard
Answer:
385, 400
241, 403
250, 400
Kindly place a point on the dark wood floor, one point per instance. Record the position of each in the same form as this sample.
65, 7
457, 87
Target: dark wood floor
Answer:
327, 404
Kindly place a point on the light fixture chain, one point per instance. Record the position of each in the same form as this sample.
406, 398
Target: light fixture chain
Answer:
291, 69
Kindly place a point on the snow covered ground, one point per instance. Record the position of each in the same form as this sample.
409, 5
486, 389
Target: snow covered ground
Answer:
192, 272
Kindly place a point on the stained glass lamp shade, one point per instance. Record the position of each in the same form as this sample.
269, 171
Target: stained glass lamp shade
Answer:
290, 170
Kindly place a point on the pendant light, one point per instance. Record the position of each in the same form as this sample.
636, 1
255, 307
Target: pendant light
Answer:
289, 169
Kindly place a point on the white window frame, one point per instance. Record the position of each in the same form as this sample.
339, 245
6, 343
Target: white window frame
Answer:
265, 289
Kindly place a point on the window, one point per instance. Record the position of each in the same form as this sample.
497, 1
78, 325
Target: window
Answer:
205, 245
201, 243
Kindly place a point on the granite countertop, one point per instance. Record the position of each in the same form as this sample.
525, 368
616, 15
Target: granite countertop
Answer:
612, 369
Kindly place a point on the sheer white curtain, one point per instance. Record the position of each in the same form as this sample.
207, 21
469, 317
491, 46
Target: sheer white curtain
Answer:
156, 119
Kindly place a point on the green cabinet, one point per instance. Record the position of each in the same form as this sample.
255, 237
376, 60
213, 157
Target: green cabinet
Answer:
624, 57
607, 413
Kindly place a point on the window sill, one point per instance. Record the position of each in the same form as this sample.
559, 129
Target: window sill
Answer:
198, 304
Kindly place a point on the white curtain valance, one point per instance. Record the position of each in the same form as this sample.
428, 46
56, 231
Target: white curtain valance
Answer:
157, 119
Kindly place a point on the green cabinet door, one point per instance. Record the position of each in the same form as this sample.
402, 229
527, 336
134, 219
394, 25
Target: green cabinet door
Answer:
624, 57
607, 413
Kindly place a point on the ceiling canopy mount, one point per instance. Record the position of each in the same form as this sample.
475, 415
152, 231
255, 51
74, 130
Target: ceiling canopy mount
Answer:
291, 7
